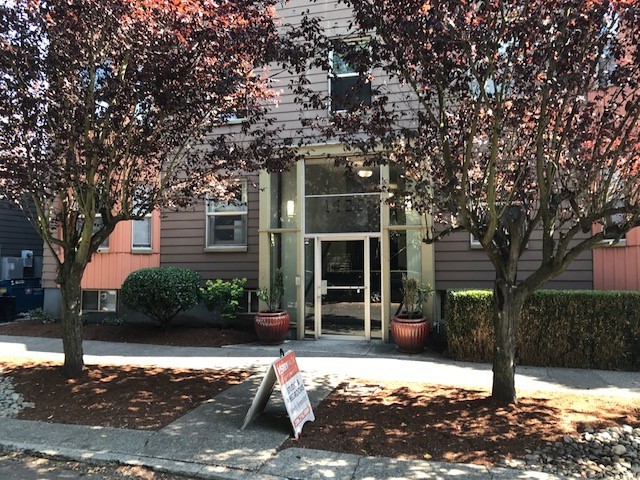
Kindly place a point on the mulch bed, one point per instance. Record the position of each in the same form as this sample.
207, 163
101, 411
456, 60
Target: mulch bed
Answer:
175, 335
431, 422
121, 397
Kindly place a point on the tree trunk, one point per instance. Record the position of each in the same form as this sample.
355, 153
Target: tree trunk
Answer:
509, 303
71, 293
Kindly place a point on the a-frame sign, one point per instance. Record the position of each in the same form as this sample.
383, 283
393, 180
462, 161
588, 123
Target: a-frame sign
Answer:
285, 370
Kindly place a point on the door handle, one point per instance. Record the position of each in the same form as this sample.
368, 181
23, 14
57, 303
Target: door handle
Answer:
323, 287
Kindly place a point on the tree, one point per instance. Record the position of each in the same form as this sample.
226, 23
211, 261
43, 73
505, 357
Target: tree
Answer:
112, 108
510, 119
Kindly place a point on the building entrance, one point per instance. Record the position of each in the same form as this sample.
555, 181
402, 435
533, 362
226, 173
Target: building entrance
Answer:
348, 287
342, 243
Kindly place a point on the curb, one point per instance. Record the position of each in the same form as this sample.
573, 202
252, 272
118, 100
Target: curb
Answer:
188, 469
213, 472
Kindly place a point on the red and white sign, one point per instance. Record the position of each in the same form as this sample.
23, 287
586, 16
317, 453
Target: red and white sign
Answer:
296, 401
295, 395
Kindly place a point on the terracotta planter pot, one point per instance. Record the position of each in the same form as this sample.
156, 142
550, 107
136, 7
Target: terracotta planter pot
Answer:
272, 327
410, 334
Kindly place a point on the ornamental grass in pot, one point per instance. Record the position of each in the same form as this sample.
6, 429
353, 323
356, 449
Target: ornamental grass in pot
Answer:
272, 325
410, 328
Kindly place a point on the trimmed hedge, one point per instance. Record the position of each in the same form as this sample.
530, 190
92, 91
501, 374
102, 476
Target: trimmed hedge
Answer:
161, 292
559, 328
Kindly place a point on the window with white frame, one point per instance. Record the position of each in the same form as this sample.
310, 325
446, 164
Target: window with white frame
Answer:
227, 220
99, 300
346, 87
611, 232
97, 225
141, 233
474, 242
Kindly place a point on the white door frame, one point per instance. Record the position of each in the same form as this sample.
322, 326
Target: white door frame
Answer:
318, 287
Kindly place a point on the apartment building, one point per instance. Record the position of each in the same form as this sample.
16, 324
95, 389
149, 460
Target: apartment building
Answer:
342, 246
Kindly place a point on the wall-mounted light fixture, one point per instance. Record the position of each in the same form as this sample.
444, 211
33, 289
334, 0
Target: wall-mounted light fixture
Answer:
291, 208
365, 173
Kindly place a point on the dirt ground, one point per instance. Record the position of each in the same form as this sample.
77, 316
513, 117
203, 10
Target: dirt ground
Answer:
367, 418
121, 397
440, 423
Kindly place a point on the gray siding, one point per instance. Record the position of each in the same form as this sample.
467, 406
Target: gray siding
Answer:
182, 244
460, 266
16, 233
336, 18
457, 265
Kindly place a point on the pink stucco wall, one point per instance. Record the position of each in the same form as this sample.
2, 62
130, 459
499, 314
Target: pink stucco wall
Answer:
618, 268
107, 270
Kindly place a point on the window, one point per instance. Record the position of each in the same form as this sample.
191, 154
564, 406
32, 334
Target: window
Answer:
99, 300
227, 221
611, 231
141, 233
237, 110
97, 225
346, 87
249, 302
474, 242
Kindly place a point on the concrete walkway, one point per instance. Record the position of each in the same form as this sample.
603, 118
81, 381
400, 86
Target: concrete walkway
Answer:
207, 442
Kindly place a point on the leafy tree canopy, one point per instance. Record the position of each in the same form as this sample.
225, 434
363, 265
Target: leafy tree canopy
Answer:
116, 107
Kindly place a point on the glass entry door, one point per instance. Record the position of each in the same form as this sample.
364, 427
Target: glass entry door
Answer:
343, 281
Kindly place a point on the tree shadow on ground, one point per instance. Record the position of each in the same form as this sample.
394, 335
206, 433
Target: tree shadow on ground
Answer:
116, 396
452, 424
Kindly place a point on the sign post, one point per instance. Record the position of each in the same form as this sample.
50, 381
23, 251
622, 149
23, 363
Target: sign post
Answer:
285, 370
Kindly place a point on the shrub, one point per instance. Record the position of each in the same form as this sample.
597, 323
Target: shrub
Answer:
161, 292
561, 328
42, 316
224, 296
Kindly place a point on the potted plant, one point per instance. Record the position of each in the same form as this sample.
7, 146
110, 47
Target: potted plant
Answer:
224, 297
272, 325
409, 327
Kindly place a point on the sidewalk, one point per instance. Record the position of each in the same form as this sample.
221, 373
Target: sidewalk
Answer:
207, 442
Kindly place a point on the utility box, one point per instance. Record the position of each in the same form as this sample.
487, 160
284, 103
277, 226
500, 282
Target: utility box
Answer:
27, 258
11, 267
7, 309
27, 293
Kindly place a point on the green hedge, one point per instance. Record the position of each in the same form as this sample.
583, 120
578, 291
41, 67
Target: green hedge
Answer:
560, 328
161, 292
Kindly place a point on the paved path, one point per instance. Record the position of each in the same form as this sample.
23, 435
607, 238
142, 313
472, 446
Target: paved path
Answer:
207, 442
373, 360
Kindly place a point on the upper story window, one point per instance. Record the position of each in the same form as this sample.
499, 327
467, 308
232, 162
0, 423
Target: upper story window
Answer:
347, 89
97, 225
237, 110
141, 230
141, 233
611, 232
227, 220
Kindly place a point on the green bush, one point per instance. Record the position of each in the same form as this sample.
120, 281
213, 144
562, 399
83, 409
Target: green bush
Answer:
161, 292
42, 316
560, 328
224, 296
